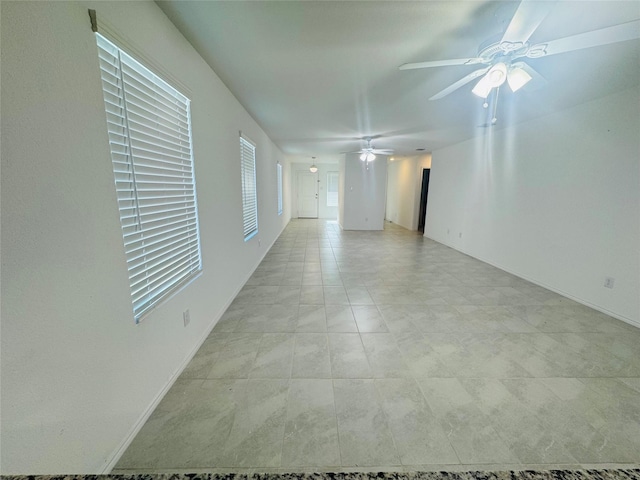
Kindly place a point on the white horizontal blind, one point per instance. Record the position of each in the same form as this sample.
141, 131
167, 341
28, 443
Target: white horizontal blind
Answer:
149, 126
332, 189
279, 181
249, 192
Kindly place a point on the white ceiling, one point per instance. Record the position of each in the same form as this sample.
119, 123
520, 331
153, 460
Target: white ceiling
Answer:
318, 75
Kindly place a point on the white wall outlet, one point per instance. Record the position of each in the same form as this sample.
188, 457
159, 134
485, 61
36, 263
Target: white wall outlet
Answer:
460, 235
448, 230
186, 317
259, 242
609, 282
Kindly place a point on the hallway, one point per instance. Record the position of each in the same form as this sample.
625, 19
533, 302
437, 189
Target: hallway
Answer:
386, 351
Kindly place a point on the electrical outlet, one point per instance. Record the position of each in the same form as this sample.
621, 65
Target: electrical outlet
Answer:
186, 317
448, 231
460, 235
609, 282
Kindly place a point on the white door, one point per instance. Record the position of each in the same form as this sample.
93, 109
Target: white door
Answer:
307, 195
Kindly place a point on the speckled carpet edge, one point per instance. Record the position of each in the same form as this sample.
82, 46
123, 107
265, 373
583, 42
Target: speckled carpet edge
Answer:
505, 475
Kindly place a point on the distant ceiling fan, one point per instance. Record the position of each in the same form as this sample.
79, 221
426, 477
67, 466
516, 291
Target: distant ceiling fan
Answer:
501, 58
368, 154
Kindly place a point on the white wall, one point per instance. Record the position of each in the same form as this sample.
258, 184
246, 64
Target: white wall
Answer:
404, 185
342, 171
78, 375
364, 194
323, 168
554, 200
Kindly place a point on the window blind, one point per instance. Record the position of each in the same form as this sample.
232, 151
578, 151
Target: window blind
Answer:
249, 191
332, 189
279, 182
149, 128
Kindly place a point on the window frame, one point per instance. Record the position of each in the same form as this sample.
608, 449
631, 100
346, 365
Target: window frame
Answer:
279, 186
337, 178
151, 149
248, 175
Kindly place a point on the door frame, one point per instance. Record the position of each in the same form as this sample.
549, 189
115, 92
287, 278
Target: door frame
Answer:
424, 194
317, 184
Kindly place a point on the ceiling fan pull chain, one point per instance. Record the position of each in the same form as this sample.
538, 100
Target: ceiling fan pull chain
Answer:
494, 119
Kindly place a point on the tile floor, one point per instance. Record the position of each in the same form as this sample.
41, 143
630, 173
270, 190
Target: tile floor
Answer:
360, 351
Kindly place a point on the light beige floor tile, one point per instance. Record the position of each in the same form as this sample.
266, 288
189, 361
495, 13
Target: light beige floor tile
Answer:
288, 295
256, 436
469, 430
526, 434
312, 319
268, 318
257, 295
311, 432
191, 424
359, 295
384, 356
311, 295
237, 356
311, 279
365, 437
348, 358
369, 319
335, 296
340, 319
230, 319
418, 436
206, 355
274, 357
311, 356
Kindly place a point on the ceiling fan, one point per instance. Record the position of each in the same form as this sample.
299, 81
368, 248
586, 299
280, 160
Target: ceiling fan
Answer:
502, 58
368, 154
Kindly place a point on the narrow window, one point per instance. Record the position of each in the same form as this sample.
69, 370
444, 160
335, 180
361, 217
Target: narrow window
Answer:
249, 192
332, 189
149, 125
279, 177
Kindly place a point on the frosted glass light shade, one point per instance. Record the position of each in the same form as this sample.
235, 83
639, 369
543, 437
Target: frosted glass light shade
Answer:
495, 77
517, 78
482, 88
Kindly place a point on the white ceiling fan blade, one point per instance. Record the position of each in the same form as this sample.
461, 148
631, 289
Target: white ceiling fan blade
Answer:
594, 38
527, 18
383, 151
355, 151
440, 63
460, 83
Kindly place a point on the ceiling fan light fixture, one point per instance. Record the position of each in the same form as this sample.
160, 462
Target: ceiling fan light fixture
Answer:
370, 157
482, 88
517, 78
495, 77
313, 168
497, 74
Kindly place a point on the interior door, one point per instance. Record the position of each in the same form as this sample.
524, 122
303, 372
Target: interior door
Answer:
423, 199
307, 195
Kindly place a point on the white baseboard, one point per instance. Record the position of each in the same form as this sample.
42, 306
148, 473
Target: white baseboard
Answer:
582, 301
144, 416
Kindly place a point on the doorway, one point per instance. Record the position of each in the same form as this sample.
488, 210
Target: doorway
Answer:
423, 199
307, 195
